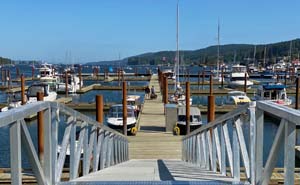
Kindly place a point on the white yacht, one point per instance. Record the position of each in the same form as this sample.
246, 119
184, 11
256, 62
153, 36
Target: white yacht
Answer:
115, 118
195, 119
47, 74
275, 92
237, 77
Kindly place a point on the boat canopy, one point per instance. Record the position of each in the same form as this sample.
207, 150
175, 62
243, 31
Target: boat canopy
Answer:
273, 86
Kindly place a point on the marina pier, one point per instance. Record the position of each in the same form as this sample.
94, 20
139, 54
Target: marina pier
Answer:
210, 154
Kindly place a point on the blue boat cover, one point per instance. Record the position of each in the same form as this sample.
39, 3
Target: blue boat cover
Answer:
273, 86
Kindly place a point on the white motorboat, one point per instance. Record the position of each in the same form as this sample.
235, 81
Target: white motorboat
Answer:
40, 87
195, 119
14, 101
73, 84
237, 98
115, 118
275, 92
135, 101
237, 77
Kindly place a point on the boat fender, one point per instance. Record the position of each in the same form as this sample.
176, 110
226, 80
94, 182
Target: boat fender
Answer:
133, 131
176, 130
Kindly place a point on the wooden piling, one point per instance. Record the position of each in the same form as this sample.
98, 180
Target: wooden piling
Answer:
99, 109
66, 84
203, 76
211, 102
23, 90
285, 77
165, 86
187, 107
245, 83
32, 73
17, 73
80, 76
198, 79
40, 117
124, 108
297, 93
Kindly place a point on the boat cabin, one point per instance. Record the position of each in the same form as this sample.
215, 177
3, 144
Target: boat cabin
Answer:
237, 98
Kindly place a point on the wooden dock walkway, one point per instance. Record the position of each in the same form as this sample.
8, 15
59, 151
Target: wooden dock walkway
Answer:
151, 141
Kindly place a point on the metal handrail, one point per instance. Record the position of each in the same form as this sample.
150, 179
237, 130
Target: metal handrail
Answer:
211, 145
97, 146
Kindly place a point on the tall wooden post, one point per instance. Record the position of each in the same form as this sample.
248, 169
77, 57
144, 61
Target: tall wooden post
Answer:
99, 109
211, 102
80, 77
245, 83
23, 90
203, 77
297, 93
285, 77
124, 108
165, 86
198, 79
17, 73
40, 116
32, 73
187, 106
66, 83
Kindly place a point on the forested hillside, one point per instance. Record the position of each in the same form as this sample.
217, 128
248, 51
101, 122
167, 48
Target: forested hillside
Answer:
208, 56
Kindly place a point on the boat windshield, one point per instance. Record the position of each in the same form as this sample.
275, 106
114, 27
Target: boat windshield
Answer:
130, 102
117, 112
194, 118
237, 78
32, 91
239, 69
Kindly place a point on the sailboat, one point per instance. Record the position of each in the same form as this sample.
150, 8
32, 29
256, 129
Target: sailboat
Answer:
178, 97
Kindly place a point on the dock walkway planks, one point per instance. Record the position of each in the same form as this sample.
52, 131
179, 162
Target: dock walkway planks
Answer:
152, 141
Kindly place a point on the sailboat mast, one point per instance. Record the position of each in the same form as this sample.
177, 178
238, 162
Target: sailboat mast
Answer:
218, 59
177, 44
254, 54
290, 53
265, 55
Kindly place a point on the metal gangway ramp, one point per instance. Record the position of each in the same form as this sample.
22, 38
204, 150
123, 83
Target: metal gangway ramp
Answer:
216, 153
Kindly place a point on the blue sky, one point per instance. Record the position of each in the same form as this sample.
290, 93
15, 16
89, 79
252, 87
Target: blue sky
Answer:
95, 30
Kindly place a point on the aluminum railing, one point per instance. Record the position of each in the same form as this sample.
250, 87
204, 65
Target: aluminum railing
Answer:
212, 146
84, 140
